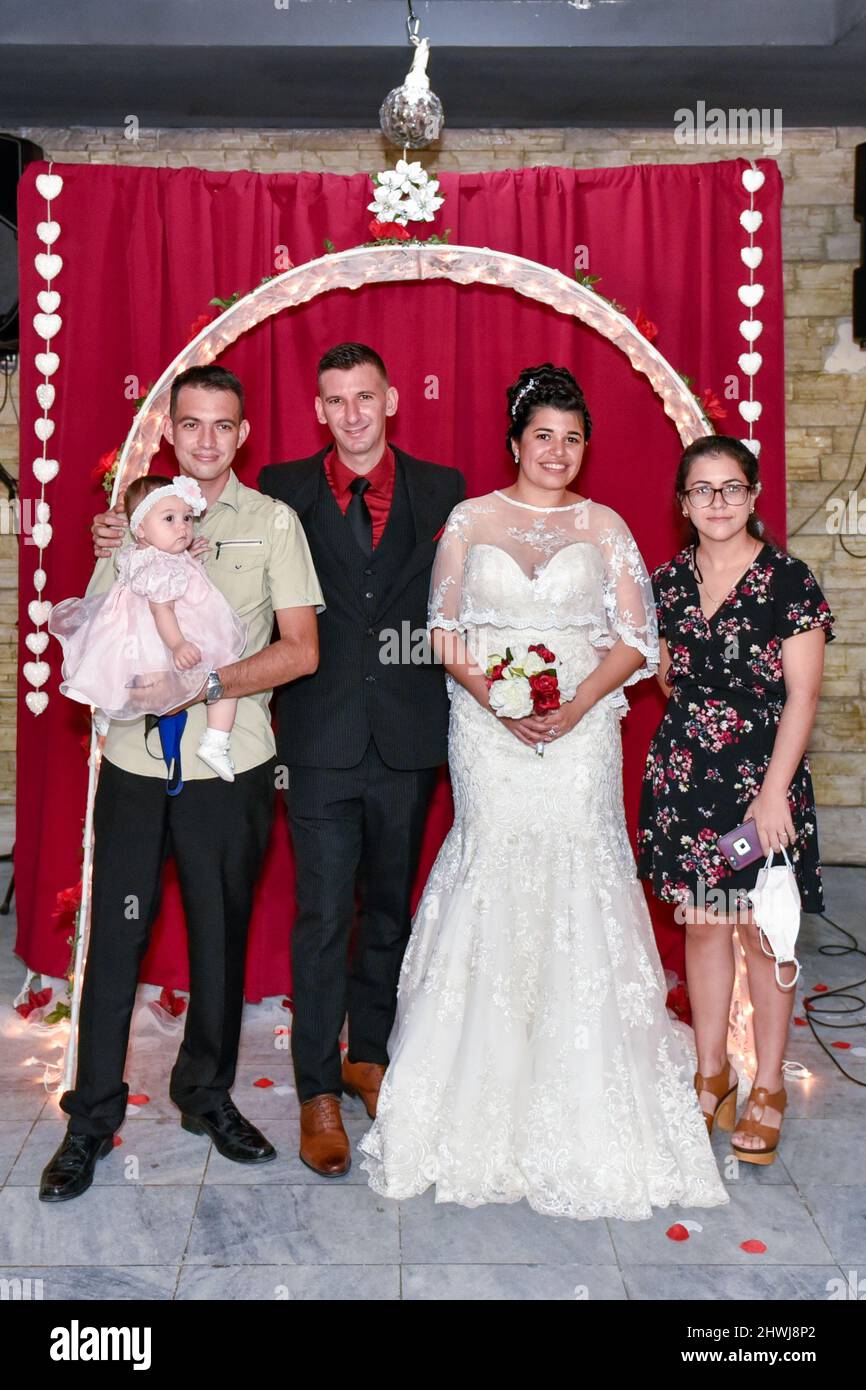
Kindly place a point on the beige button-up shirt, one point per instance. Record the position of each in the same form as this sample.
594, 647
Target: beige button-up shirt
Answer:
260, 561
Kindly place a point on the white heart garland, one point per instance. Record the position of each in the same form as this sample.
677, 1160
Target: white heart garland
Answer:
48, 232
39, 611
49, 185
48, 265
36, 672
47, 323
45, 470
751, 329
750, 363
750, 295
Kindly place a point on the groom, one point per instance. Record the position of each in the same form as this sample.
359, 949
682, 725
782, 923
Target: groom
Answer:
362, 738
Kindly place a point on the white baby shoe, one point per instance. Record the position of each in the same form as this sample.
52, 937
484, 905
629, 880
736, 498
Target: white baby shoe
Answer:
213, 749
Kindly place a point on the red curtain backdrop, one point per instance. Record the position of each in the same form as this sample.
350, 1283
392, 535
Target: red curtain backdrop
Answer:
144, 250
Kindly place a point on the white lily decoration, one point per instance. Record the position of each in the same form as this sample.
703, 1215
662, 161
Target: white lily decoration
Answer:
405, 193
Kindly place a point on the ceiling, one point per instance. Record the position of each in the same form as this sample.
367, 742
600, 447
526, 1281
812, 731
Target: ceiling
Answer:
329, 63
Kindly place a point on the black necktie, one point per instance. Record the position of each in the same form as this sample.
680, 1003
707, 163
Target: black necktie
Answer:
358, 515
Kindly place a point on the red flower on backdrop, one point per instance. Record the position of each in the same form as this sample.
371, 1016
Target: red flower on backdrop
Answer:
171, 1002
382, 230
105, 465
198, 324
36, 999
645, 326
66, 904
712, 405
678, 1001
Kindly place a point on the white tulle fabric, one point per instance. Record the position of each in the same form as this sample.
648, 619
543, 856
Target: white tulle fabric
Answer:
113, 655
532, 1054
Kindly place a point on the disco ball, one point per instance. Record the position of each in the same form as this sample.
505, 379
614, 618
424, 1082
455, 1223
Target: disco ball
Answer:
412, 115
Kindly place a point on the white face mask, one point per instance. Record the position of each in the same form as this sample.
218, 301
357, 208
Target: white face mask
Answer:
775, 899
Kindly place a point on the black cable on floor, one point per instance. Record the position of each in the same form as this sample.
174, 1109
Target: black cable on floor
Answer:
841, 994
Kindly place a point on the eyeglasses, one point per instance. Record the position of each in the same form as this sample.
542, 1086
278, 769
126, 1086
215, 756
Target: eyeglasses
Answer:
703, 495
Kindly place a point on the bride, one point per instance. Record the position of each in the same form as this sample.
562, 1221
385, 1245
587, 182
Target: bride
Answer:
532, 1054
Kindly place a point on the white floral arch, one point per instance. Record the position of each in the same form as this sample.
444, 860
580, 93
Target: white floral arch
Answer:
371, 265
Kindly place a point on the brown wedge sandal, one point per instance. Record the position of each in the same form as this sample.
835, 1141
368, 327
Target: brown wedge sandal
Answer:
725, 1111
762, 1099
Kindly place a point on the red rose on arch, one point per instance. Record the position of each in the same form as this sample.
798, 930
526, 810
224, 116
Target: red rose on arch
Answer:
383, 230
645, 326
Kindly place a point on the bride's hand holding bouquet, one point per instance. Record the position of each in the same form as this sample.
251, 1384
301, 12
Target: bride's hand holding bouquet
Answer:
524, 693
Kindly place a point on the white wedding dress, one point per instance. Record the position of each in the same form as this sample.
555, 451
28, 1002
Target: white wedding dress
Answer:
532, 1054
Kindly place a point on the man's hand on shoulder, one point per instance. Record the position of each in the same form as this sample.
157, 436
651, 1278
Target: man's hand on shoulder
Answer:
108, 530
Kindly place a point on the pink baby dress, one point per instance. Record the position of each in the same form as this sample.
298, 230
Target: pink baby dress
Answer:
113, 656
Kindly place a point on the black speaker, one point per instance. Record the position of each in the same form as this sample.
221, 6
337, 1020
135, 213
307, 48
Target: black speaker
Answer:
859, 311
15, 155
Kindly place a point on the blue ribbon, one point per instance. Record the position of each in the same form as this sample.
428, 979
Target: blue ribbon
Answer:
171, 727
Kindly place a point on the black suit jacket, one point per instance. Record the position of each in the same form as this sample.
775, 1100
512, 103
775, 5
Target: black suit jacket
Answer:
326, 719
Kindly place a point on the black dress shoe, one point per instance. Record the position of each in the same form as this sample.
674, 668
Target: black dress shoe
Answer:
70, 1171
232, 1135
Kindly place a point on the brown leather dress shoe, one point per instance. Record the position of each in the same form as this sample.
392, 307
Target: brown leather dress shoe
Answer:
324, 1142
363, 1079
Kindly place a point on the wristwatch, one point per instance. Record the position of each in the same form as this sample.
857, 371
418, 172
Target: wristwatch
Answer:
213, 688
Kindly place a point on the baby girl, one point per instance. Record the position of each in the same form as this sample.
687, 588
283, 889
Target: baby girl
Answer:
148, 644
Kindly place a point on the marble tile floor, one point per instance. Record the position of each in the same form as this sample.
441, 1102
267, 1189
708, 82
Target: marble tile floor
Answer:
168, 1218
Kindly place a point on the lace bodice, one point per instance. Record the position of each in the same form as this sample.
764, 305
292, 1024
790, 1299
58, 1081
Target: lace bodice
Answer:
153, 573
505, 568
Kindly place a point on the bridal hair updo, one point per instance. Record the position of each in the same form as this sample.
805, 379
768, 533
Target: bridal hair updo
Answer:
719, 446
544, 385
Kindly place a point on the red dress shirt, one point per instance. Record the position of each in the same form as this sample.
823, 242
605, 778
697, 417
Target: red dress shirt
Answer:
378, 495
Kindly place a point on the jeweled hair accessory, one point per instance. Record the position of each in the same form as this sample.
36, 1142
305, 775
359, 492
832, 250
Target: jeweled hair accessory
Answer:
187, 489
521, 393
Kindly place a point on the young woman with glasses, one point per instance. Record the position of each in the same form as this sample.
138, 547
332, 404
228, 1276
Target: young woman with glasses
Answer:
742, 629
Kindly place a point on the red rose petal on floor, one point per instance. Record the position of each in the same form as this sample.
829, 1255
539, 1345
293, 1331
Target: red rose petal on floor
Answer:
263, 1081
677, 1232
753, 1247
820, 989
801, 1023
139, 1100
117, 1141
842, 1046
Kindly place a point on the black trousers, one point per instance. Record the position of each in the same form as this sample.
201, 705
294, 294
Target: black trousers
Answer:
218, 833
354, 827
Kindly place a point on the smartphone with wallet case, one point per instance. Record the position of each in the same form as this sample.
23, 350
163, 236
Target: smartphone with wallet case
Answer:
741, 846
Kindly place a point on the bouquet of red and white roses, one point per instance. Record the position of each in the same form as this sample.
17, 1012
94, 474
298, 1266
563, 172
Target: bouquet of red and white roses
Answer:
524, 684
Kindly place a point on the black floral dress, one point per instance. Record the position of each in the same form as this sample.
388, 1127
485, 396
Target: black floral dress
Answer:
711, 751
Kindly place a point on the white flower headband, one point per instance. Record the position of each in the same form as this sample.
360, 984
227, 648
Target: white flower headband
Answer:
187, 489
